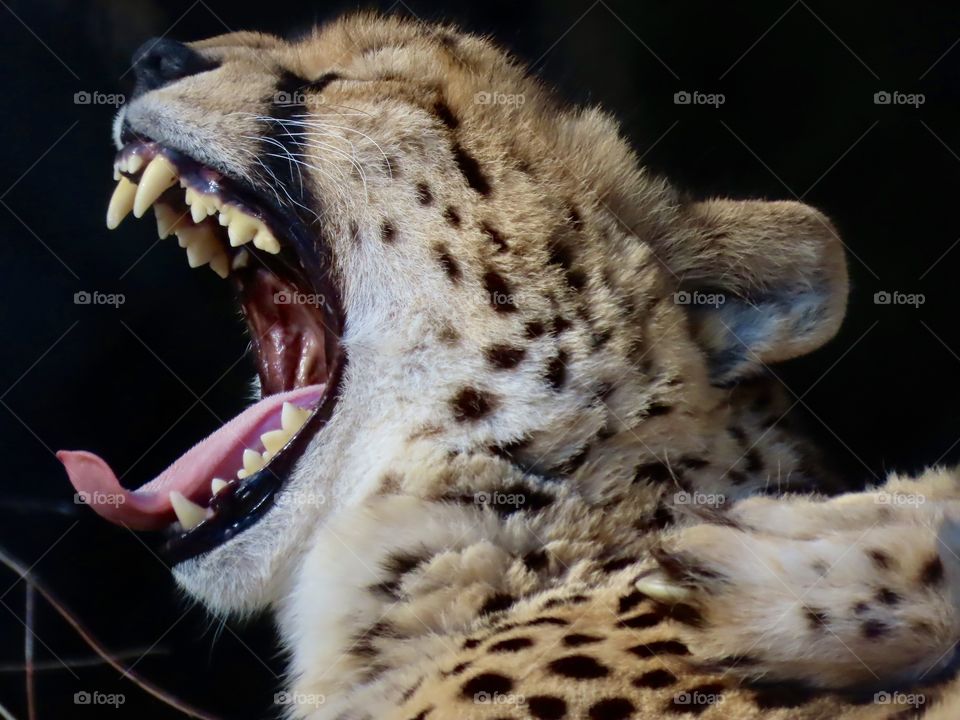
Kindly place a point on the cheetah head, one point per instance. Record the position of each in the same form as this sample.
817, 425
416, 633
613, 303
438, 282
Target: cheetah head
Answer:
429, 248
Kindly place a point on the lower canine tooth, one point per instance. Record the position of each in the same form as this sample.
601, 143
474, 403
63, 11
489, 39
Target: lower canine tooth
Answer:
167, 219
274, 440
121, 203
159, 175
188, 512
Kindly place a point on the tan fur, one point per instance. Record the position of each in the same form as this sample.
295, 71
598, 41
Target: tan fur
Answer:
508, 468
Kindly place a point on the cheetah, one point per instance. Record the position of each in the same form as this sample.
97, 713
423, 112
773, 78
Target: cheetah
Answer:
519, 452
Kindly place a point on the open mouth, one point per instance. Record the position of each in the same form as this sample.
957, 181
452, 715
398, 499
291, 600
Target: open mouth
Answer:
228, 480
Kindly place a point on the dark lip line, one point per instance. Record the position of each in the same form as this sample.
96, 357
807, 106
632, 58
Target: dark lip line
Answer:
242, 505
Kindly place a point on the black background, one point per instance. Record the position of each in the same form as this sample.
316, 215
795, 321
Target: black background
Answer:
140, 383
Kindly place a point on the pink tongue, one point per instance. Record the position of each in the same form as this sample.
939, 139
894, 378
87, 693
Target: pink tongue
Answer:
219, 455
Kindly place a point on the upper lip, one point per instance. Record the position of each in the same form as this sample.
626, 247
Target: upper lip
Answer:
304, 263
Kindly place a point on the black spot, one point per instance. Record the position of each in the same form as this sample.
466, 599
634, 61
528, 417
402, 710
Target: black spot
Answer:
611, 566
452, 216
577, 279
611, 709
497, 603
573, 217
546, 707
408, 693
880, 558
458, 669
655, 679
753, 461
629, 602
685, 614
388, 233
534, 329
662, 518
600, 338
536, 560
560, 601
816, 618
737, 478
659, 647
888, 596
578, 639
561, 324
445, 115
873, 629
547, 621
556, 373
505, 357
559, 253
471, 404
471, 643
511, 645
643, 620
861, 608
659, 409
495, 237
396, 566
738, 434
422, 714
578, 667
655, 472
471, 171
693, 463
424, 196
499, 292
508, 450
783, 695
449, 265
571, 465
488, 683
932, 571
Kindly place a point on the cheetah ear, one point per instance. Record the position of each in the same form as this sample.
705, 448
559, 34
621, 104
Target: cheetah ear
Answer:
777, 277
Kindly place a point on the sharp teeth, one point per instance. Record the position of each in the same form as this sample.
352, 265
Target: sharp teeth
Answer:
188, 512
266, 241
224, 217
220, 264
134, 163
240, 260
202, 250
167, 219
252, 461
242, 229
198, 211
292, 417
159, 175
216, 485
274, 440
121, 203
190, 195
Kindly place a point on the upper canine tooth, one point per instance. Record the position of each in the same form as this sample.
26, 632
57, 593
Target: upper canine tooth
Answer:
121, 202
242, 229
266, 241
292, 417
188, 512
159, 175
274, 440
167, 219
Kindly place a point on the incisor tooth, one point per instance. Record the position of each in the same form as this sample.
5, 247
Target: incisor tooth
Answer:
216, 485
167, 219
252, 461
292, 417
188, 512
274, 440
121, 203
134, 163
202, 250
266, 241
242, 229
220, 264
159, 175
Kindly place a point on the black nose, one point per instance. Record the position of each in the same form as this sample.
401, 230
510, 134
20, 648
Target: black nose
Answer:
160, 61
